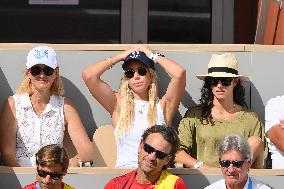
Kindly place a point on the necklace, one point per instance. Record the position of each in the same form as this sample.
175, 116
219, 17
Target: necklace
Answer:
226, 112
141, 111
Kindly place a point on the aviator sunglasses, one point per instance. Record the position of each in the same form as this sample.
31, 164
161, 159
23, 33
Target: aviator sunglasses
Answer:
159, 154
129, 73
36, 70
54, 176
213, 81
227, 163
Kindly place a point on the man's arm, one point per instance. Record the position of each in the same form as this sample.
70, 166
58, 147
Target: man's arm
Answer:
274, 123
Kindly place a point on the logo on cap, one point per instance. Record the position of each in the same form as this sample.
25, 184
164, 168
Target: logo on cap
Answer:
41, 53
134, 54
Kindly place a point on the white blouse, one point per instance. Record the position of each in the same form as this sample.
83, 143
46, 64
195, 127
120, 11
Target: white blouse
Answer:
35, 132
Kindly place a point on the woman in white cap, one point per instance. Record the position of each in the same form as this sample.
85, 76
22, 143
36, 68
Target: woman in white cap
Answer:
222, 111
136, 106
37, 115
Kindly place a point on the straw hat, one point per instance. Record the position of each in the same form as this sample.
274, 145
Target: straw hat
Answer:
223, 65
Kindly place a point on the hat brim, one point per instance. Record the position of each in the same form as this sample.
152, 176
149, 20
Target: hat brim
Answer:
43, 62
222, 74
125, 63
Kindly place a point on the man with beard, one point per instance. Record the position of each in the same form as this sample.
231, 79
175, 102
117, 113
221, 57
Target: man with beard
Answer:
52, 163
157, 150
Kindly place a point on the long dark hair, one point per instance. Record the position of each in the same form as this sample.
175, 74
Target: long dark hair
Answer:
206, 100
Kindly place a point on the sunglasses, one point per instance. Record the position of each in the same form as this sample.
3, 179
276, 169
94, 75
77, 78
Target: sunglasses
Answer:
129, 73
213, 81
159, 154
227, 163
54, 176
36, 70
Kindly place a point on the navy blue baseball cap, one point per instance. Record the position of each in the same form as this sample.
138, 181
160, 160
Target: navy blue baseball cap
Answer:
139, 56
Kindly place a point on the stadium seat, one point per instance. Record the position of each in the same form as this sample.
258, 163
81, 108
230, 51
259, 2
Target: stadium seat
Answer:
105, 146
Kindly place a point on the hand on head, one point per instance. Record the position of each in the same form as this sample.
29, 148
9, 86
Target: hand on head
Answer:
147, 50
125, 53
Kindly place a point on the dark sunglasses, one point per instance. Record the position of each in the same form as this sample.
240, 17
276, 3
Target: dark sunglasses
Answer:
54, 176
159, 154
227, 163
36, 70
213, 81
129, 73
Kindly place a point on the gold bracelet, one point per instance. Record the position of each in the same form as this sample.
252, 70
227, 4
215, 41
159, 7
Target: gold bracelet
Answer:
109, 62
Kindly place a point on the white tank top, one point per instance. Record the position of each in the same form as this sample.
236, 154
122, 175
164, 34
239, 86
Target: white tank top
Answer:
128, 142
34, 132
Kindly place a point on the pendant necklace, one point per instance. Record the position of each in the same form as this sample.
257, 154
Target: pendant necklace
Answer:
141, 111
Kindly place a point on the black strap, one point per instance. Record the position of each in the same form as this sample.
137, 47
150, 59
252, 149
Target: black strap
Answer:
223, 69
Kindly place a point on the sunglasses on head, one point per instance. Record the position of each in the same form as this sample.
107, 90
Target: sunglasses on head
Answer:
129, 73
227, 163
159, 154
36, 70
54, 176
213, 81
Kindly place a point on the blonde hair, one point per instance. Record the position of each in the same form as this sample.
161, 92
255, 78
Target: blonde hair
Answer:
26, 86
126, 115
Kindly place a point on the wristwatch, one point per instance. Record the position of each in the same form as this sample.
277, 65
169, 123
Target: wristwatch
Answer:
153, 56
86, 164
198, 164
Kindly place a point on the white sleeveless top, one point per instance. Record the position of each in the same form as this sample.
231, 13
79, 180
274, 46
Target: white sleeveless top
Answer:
34, 132
128, 142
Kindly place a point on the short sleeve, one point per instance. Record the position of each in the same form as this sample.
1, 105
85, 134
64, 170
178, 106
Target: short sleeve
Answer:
186, 131
110, 185
31, 186
67, 186
271, 114
258, 129
180, 184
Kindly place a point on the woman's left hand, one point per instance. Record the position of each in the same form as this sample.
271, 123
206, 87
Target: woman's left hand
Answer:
147, 50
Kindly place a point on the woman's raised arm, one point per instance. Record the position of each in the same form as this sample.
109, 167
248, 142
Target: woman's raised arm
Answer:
171, 100
98, 88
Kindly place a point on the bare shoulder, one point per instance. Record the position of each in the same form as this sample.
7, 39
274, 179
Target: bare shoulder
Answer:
117, 96
118, 100
68, 103
70, 112
8, 113
69, 109
10, 104
163, 102
11, 101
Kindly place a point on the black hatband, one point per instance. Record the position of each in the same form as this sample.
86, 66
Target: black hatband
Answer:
223, 69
